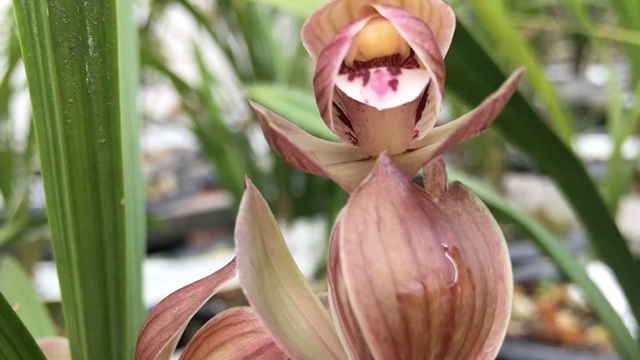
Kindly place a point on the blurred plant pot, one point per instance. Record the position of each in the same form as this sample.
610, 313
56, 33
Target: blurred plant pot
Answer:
514, 349
523, 349
523, 253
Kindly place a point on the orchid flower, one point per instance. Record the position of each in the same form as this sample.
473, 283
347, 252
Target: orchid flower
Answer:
413, 273
378, 82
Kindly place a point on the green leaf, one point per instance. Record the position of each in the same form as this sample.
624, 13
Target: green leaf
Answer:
15, 284
509, 41
7, 154
296, 7
80, 61
553, 247
218, 141
15, 341
294, 105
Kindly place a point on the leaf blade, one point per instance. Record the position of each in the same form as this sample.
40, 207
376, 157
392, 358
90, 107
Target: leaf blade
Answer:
75, 65
15, 284
15, 341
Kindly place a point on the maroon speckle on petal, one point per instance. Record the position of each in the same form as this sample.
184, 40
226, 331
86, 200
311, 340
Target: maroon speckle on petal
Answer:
391, 60
343, 117
394, 70
411, 63
365, 74
415, 136
393, 84
344, 69
423, 103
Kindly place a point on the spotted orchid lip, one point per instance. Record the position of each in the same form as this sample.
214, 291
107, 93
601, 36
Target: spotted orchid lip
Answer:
383, 88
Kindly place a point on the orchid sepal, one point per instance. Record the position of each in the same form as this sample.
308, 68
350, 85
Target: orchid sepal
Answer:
414, 270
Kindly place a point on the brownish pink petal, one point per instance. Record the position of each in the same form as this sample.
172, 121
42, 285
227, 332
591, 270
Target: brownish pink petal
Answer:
276, 289
165, 324
235, 334
327, 21
327, 70
55, 348
426, 278
444, 137
345, 164
421, 39
341, 310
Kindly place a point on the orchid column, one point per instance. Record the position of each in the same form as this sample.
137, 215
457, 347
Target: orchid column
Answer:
413, 273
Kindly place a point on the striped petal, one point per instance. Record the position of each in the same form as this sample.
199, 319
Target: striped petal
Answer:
277, 290
427, 277
55, 348
451, 134
165, 324
236, 334
327, 21
345, 164
341, 310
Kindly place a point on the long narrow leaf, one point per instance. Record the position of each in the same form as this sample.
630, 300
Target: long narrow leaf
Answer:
7, 154
81, 72
495, 18
564, 259
15, 284
15, 341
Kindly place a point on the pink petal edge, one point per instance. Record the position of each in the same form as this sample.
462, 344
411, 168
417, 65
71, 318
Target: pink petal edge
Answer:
165, 324
341, 311
326, 22
235, 334
327, 70
345, 164
444, 137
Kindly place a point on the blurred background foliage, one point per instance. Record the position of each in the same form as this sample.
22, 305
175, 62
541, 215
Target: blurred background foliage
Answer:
573, 128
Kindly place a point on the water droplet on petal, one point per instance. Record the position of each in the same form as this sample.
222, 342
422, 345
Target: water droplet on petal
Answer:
451, 271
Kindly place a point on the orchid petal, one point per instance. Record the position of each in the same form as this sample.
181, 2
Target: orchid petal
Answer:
327, 21
235, 334
341, 310
468, 126
327, 70
427, 278
276, 289
55, 348
389, 130
165, 324
421, 39
345, 164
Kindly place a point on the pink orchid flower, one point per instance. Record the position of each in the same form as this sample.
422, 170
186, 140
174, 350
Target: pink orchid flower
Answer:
413, 273
378, 83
